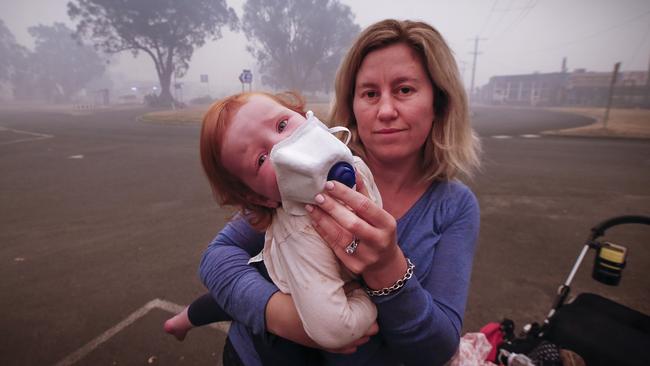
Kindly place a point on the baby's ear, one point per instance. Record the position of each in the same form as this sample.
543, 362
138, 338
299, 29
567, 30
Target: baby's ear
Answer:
260, 200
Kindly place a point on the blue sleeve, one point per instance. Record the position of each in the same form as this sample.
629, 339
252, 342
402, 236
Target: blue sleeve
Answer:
238, 287
422, 322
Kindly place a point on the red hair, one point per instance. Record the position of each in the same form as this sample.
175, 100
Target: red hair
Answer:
226, 187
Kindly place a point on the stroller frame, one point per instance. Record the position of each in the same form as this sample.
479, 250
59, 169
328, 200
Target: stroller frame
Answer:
600, 330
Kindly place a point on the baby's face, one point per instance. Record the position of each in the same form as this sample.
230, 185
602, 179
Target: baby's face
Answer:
258, 125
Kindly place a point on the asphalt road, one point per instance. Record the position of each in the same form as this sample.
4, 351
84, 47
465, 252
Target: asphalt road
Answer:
101, 214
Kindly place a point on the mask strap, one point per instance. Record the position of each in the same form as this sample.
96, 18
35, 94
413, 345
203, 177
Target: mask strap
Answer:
309, 115
336, 129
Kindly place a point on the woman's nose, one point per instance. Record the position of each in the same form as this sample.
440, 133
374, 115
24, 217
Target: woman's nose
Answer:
387, 110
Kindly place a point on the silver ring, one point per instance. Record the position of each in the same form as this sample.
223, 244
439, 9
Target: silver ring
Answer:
352, 247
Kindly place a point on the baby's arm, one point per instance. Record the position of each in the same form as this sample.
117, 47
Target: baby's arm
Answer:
313, 274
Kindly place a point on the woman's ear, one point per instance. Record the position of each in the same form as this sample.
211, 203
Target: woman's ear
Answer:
260, 200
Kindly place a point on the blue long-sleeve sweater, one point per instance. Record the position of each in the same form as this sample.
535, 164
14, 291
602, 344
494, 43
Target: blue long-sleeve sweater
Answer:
419, 325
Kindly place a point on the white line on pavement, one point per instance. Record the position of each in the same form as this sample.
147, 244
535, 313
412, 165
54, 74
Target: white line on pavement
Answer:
82, 352
36, 136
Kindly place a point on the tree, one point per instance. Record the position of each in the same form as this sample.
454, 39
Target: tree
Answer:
298, 44
8, 52
56, 69
166, 30
61, 65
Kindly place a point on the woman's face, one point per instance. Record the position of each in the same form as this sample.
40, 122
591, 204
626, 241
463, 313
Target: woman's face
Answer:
393, 104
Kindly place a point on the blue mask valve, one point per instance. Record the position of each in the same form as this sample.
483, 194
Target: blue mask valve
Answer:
342, 172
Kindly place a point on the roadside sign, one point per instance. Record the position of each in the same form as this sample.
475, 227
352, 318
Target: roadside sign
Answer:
246, 76
204, 78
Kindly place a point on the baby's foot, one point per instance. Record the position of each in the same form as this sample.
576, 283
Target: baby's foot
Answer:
178, 325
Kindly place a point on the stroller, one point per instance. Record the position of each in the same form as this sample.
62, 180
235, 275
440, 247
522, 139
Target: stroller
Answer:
599, 330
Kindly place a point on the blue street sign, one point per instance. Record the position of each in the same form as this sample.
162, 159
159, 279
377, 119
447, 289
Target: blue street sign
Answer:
246, 77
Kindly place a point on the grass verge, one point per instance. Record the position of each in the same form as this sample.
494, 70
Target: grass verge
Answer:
625, 123
195, 114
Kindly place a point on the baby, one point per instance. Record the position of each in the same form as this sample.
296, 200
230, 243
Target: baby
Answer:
247, 143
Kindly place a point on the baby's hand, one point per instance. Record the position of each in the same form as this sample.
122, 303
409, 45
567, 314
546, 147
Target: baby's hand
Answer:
352, 347
351, 286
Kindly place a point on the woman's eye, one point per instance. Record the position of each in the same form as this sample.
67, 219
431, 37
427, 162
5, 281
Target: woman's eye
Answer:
282, 125
405, 90
371, 94
261, 160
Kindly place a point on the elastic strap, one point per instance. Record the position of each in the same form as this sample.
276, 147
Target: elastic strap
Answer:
336, 129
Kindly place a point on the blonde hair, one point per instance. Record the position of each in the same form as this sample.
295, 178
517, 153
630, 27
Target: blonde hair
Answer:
453, 147
226, 187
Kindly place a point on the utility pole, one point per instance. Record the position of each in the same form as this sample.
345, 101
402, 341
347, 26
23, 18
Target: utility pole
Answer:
611, 93
647, 87
475, 53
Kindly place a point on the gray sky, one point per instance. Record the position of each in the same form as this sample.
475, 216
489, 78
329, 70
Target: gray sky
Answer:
522, 36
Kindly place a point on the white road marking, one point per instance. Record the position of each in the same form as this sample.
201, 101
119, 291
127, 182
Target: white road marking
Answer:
35, 136
82, 352
526, 136
75, 157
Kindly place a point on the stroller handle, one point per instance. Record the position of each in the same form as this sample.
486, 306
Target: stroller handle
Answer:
599, 230
596, 232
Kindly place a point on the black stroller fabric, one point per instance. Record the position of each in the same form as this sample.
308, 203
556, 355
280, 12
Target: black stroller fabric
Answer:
603, 332
545, 354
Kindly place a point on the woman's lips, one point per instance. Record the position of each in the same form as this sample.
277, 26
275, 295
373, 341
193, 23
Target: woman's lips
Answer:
388, 131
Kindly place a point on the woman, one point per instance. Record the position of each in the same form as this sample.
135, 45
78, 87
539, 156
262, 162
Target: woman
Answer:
399, 92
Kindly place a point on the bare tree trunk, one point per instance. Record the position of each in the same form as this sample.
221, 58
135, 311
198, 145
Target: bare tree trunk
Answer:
164, 71
166, 98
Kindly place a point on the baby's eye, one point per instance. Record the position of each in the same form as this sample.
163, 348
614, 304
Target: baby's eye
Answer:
261, 160
282, 125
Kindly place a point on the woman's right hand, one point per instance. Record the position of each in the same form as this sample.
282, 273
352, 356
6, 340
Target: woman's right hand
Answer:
342, 214
282, 319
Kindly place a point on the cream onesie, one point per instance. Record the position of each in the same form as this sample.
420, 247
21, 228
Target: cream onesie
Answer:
301, 263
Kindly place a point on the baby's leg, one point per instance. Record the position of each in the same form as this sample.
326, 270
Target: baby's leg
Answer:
178, 325
203, 310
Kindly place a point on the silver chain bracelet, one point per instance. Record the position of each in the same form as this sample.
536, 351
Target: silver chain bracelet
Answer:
397, 285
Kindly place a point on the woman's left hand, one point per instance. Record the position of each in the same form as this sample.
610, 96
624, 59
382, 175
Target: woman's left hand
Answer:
343, 214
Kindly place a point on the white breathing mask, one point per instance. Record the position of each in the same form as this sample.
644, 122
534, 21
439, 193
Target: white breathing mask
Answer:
304, 161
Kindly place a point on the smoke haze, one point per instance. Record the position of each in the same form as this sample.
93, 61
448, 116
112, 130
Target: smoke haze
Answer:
517, 37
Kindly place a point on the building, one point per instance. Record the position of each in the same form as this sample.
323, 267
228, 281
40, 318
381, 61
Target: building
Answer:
526, 90
577, 88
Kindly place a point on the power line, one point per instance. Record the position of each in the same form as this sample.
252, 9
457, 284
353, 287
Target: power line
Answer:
621, 24
489, 17
503, 13
618, 25
638, 48
524, 13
